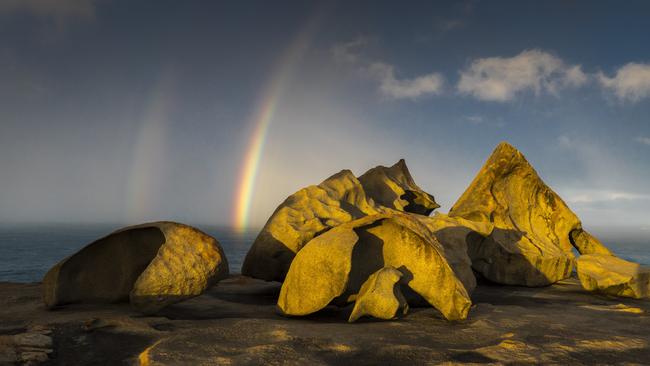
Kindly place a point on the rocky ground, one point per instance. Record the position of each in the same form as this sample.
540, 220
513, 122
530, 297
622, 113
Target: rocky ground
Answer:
236, 323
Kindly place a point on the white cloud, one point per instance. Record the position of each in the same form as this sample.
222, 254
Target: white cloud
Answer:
389, 85
643, 139
392, 87
474, 119
59, 10
594, 196
630, 83
500, 79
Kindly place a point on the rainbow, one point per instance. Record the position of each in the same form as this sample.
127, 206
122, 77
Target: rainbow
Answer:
261, 121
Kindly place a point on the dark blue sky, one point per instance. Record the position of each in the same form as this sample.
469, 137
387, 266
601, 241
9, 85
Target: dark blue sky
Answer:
141, 110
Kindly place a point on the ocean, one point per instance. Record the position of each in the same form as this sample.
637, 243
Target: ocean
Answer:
28, 251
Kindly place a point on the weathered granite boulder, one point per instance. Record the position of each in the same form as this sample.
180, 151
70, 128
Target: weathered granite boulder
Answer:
380, 296
586, 243
395, 188
332, 267
613, 276
454, 234
301, 217
530, 244
153, 264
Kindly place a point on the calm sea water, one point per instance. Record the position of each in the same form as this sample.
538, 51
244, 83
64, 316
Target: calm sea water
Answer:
28, 251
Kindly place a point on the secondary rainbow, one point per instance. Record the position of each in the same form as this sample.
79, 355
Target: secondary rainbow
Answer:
262, 119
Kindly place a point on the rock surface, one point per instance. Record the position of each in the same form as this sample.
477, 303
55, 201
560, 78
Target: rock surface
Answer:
301, 217
380, 296
154, 264
334, 265
530, 244
395, 188
613, 276
236, 323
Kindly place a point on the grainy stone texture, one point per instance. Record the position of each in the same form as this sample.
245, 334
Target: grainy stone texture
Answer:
530, 244
613, 276
393, 187
154, 264
237, 323
380, 296
301, 217
333, 266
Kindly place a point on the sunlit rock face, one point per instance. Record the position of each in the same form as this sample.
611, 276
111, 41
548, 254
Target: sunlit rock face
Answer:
394, 188
613, 276
530, 244
454, 234
380, 296
153, 265
332, 267
302, 216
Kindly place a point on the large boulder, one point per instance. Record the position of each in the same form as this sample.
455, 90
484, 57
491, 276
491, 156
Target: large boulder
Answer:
531, 242
301, 217
394, 188
613, 276
454, 235
153, 264
332, 267
380, 296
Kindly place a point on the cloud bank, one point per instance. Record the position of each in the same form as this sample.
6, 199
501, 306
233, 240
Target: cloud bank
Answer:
630, 83
384, 74
501, 79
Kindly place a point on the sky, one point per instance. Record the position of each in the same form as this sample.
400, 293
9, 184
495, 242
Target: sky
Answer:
211, 112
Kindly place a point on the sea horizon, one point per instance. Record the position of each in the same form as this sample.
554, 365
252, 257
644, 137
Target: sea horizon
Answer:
28, 249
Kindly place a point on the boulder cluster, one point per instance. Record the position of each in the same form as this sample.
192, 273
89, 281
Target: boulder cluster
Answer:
368, 240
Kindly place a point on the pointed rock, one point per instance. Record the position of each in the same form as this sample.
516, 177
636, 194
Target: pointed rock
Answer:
380, 296
613, 276
531, 243
395, 188
154, 264
301, 217
333, 266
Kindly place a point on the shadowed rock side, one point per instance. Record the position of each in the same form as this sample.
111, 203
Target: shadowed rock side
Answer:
301, 217
613, 276
154, 264
454, 234
332, 267
395, 188
380, 296
531, 243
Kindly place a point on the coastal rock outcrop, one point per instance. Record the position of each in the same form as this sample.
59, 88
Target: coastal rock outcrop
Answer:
454, 235
613, 276
302, 216
380, 296
153, 265
394, 187
530, 244
332, 267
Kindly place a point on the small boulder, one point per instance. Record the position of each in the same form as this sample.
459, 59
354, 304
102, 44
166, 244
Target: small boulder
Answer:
530, 244
333, 266
153, 264
395, 188
302, 216
380, 296
614, 276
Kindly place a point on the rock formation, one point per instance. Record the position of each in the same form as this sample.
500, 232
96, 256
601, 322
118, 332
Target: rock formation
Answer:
395, 188
454, 234
531, 242
339, 199
153, 264
332, 267
301, 217
613, 276
380, 296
